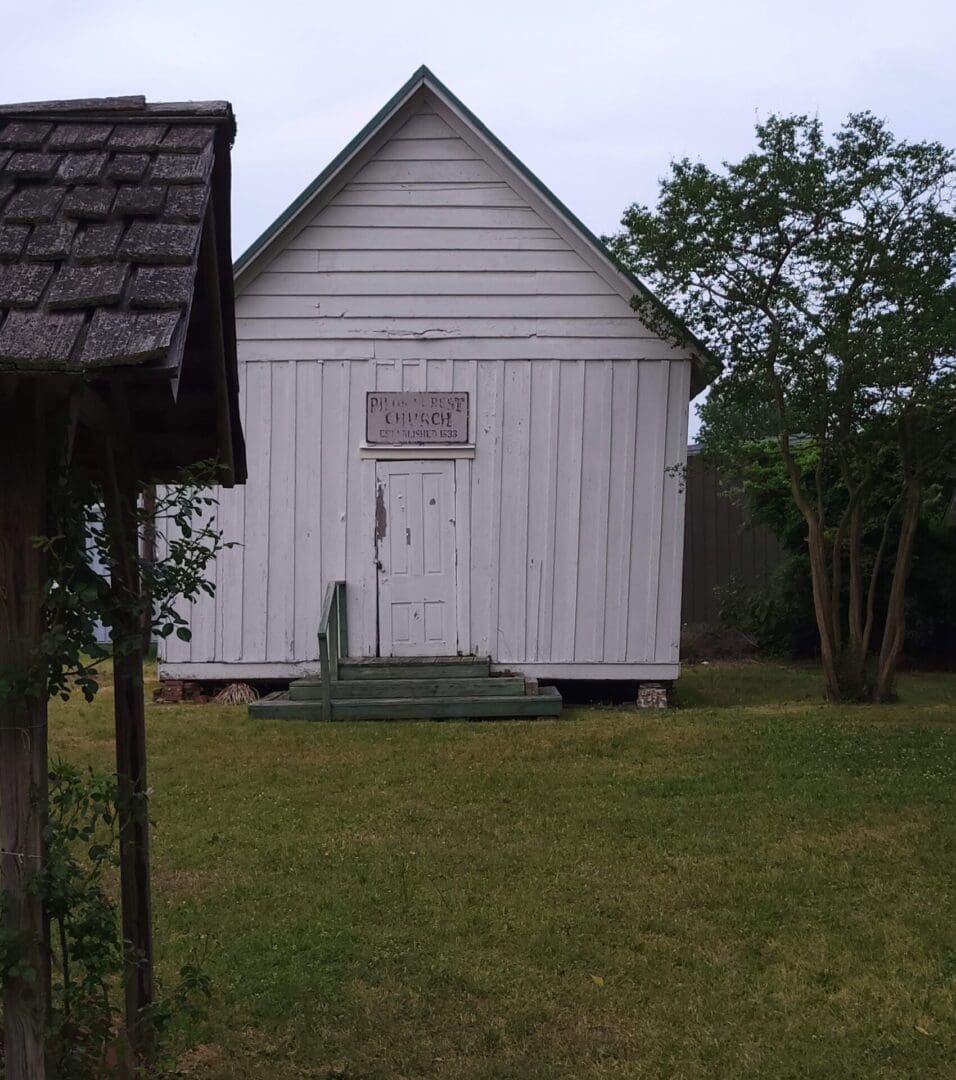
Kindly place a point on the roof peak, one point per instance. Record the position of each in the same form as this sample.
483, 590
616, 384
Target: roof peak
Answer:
707, 365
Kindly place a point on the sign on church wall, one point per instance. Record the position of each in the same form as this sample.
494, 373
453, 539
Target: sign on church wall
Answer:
401, 419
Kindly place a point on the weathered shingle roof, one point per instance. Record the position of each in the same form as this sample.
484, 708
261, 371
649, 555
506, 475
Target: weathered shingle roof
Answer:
102, 205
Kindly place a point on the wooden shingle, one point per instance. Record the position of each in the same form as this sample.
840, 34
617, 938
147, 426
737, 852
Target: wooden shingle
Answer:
22, 284
124, 337
155, 242
12, 239
79, 136
97, 243
31, 166
25, 134
88, 286
31, 338
89, 202
34, 204
82, 167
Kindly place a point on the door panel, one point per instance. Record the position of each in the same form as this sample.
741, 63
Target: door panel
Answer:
415, 538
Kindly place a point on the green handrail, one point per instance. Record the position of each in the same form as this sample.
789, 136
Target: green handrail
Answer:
333, 640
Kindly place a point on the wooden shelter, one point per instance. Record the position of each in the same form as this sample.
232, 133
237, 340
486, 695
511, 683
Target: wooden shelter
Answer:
117, 348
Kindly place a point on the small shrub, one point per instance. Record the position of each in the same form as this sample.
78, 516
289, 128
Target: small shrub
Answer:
84, 1036
776, 616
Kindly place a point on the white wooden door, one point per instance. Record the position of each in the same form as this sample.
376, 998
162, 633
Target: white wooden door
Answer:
415, 540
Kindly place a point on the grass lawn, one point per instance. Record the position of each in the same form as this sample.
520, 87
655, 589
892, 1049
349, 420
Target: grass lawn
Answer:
754, 885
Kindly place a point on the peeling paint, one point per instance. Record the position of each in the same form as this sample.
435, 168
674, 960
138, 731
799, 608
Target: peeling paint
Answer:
381, 519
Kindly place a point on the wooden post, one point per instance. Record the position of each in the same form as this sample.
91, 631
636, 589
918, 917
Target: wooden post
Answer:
23, 721
130, 720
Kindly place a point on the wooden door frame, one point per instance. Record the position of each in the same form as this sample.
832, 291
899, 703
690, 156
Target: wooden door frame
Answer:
461, 502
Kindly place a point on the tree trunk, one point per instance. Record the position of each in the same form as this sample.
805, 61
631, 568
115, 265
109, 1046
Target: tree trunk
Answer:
823, 603
23, 723
895, 626
853, 659
130, 722
820, 576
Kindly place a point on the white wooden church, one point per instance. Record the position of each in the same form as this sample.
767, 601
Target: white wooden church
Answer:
450, 407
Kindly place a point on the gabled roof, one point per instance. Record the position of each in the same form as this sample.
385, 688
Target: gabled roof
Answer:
108, 235
706, 365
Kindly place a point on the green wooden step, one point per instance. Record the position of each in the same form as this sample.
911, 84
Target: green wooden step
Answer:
311, 689
414, 667
545, 703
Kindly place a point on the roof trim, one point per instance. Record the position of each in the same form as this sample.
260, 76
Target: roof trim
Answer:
706, 365
112, 108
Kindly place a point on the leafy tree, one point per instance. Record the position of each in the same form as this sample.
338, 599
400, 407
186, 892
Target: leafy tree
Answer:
824, 273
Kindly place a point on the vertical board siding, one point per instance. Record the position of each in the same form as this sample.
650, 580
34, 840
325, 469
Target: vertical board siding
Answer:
570, 522
202, 617
429, 270
255, 577
646, 512
280, 621
230, 598
595, 483
335, 457
359, 572
668, 606
567, 523
542, 462
173, 648
512, 540
307, 556
621, 535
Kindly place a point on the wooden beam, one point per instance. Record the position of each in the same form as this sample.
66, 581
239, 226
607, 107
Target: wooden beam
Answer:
121, 493
213, 298
24, 457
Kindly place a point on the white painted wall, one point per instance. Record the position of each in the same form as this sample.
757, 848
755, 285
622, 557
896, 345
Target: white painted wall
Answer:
432, 268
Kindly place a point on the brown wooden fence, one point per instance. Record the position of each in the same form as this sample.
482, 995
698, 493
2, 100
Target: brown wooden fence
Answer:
718, 545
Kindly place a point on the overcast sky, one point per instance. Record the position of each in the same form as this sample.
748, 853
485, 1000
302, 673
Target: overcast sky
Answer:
594, 97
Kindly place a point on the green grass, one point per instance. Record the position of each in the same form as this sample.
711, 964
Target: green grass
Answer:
754, 885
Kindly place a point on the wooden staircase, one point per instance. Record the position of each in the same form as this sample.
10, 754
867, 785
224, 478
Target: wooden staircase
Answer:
396, 688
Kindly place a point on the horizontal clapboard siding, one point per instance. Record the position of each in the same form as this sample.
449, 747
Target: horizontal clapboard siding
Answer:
467, 327
421, 255
411, 282
447, 194
440, 149
412, 305
474, 237
433, 217
411, 172
437, 343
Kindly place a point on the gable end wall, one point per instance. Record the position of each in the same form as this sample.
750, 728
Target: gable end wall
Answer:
428, 269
